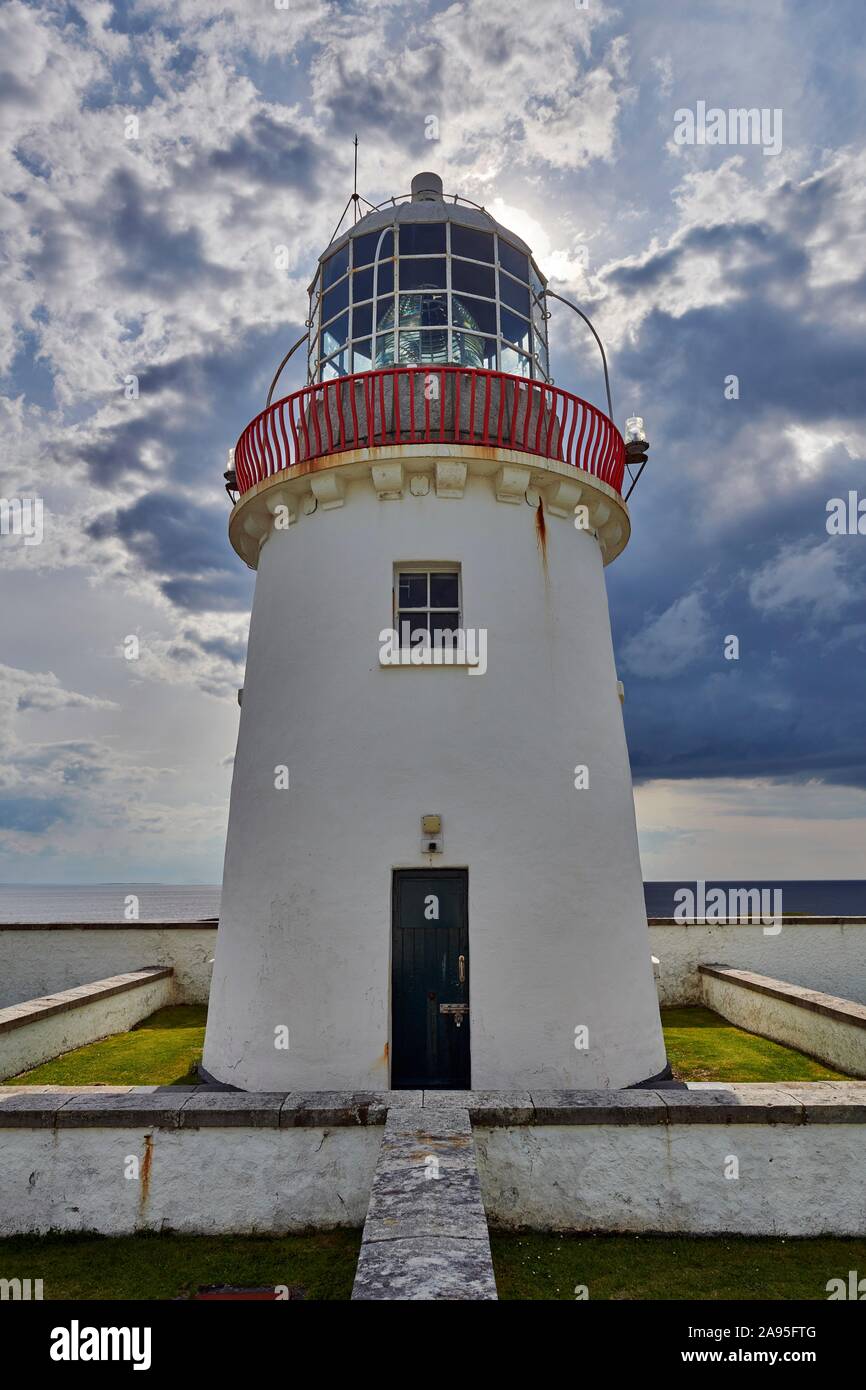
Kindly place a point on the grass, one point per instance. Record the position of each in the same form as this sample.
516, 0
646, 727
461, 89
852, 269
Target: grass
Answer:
535, 1266
702, 1046
170, 1266
164, 1049
160, 1051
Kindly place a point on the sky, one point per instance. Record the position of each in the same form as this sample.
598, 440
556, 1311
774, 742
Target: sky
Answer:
154, 157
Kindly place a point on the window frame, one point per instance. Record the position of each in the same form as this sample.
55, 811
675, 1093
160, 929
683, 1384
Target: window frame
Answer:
427, 567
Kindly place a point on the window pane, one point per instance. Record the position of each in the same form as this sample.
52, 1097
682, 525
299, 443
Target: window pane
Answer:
335, 335
335, 301
475, 279
384, 277
385, 313
412, 589
541, 353
443, 590
465, 241
423, 310
362, 360
338, 366
473, 313
384, 349
535, 281
538, 319
362, 320
513, 260
418, 622
364, 247
517, 296
362, 284
428, 346
515, 329
444, 623
472, 350
514, 361
335, 266
422, 238
422, 275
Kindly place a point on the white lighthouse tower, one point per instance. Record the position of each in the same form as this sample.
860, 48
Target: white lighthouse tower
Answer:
432, 875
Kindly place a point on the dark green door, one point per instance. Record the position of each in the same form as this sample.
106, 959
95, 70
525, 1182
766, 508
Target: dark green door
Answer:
430, 980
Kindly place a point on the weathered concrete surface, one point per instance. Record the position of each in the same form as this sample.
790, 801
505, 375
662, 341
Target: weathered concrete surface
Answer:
425, 1236
36, 1030
37, 959
825, 1026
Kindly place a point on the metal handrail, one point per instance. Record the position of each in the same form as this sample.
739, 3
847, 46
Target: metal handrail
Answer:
430, 404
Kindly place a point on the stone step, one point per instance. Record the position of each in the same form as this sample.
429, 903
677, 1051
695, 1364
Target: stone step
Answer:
425, 1236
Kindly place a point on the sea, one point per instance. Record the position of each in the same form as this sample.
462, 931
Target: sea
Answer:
196, 902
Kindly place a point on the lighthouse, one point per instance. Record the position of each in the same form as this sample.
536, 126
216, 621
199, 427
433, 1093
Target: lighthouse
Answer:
432, 877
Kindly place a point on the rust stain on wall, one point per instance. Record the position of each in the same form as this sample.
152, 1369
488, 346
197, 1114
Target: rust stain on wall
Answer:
146, 1163
541, 533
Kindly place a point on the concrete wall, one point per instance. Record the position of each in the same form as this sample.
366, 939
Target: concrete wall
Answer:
557, 922
793, 1180
818, 953
37, 960
39, 1029
831, 1029
149, 1158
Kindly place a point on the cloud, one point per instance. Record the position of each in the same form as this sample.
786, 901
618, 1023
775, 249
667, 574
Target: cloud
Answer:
670, 642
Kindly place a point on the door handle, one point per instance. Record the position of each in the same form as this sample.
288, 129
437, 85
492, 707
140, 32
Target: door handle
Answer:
461, 969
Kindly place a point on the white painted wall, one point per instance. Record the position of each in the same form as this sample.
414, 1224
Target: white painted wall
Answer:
557, 924
794, 1179
206, 1180
829, 957
44, 960
838, 1043
49, 1035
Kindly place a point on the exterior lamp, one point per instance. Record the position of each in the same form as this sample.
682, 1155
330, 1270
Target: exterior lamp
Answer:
636, 448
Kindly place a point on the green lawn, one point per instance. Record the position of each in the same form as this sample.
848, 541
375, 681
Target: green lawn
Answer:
534, 1266
169, 1266
163, 1051
703, 1047
160, 1051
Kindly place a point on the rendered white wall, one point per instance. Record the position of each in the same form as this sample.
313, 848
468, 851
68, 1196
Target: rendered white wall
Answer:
557, 925
207, 1180
840, 1044
794, 1180
44, 960
48, 1036
829, 957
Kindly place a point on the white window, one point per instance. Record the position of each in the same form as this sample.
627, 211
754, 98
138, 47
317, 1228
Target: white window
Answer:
427, 598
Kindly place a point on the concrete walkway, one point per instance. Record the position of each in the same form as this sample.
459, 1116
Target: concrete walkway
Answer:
425, 1236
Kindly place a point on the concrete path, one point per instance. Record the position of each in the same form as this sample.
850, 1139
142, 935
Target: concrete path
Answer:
425, 1236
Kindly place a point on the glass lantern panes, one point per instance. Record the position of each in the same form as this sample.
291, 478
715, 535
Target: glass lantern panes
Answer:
463, 295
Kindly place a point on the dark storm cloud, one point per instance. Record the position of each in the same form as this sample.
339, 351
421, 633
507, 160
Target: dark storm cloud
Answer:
794, 703
184, 545
271, 154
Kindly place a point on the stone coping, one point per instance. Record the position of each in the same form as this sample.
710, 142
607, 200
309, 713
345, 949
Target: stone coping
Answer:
786, 920
201, 1107
212, 922
831, 1005
35, 1010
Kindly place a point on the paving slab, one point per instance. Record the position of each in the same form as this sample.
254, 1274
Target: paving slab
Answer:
425, 1236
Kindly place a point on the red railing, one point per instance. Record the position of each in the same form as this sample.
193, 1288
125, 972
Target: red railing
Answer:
430, 405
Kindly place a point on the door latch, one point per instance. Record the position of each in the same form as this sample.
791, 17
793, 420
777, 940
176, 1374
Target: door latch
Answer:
457, 1012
